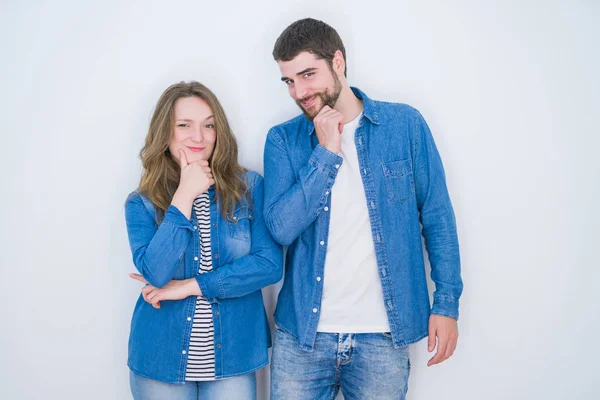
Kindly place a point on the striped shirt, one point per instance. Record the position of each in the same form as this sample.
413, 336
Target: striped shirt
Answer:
201, 355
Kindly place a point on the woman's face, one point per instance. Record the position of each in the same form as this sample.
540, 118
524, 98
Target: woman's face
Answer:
195, 132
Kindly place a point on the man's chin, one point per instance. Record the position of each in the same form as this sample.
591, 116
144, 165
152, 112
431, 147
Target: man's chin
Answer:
310, 113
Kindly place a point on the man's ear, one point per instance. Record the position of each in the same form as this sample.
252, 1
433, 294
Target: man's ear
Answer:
339, 64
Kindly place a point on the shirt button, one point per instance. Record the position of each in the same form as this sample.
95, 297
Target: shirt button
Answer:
314, 310
215, 225
365, 171
195, 258
216, 255
218, 346
326, 209
337, 166
322, 243
318, 279
189, 318
327, 192
183, 352
216, 313
195, 227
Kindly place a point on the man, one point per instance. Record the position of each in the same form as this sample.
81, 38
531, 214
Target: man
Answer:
348, 186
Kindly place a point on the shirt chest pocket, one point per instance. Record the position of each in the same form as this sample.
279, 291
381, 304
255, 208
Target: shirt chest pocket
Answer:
398, 180
239, 223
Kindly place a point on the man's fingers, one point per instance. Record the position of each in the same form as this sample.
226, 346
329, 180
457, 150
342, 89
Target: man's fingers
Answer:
435, 359
331, 116
320, 117
324, 110
431, 339
450, 349
440, 353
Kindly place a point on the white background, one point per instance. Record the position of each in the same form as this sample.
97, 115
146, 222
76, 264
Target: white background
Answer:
511, 93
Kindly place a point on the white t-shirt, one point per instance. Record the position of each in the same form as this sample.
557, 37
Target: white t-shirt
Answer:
352, 300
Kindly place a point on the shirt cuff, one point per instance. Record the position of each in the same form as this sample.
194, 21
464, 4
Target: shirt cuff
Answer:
324, 159
210, 286
445, 306
176, 217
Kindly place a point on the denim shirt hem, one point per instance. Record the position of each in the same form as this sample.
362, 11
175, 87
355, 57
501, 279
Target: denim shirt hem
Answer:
178, 382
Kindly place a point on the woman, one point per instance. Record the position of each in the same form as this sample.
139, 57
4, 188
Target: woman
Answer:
198, 239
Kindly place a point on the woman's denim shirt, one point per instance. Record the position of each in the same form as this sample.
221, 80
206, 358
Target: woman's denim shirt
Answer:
245, 259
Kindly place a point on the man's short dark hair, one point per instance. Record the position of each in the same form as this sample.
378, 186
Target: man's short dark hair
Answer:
310, 35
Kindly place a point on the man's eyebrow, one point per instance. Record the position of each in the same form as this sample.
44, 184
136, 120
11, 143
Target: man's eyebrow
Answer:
304, 71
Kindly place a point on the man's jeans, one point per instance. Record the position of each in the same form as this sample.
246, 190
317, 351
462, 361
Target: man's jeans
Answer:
363, 365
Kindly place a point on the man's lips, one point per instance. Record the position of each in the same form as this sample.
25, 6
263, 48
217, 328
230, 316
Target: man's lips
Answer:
309, 102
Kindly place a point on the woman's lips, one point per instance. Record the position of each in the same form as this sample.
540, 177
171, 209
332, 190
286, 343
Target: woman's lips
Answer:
195, 149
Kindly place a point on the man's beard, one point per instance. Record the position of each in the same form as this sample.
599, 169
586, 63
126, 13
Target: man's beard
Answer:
327, 99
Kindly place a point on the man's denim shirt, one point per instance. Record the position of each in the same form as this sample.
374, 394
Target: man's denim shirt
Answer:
245, 258
405, 186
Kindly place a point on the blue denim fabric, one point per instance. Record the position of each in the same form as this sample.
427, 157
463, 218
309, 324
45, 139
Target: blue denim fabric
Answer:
245, 259
405, 187
362, 365
242, 387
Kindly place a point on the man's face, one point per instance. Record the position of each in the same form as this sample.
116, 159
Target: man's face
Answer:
311, 83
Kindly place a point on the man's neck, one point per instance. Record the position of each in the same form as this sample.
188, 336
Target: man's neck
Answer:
348, 105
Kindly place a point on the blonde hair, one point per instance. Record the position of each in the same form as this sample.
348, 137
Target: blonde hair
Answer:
161, 174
